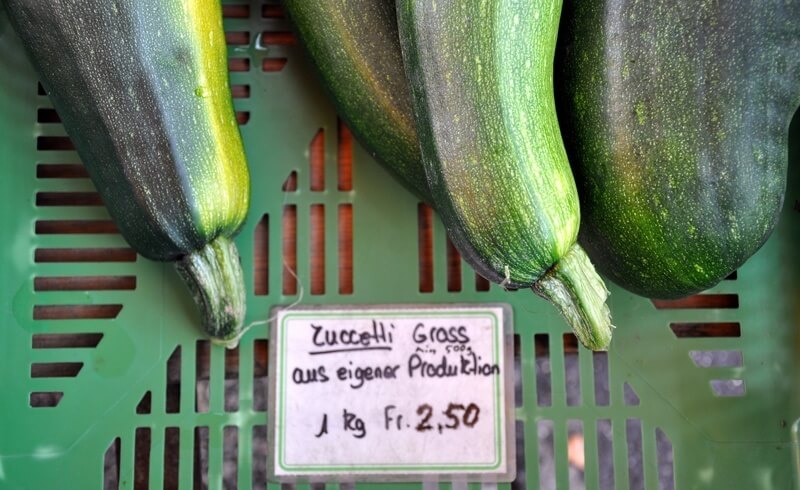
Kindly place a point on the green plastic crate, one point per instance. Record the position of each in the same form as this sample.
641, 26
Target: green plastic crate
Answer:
729, 426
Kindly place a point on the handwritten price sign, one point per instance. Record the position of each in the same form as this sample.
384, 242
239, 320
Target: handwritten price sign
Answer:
392, 393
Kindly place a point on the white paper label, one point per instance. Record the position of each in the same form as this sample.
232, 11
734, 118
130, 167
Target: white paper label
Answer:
390, 391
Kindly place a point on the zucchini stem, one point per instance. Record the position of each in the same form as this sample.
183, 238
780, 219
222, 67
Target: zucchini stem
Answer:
214, 277
576, 289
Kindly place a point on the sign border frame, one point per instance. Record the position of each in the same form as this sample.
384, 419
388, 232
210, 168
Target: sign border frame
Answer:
399, 473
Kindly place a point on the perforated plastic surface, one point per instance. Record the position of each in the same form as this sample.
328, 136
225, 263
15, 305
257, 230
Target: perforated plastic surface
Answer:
139, 400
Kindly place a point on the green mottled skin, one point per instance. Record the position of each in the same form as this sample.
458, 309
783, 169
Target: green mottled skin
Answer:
354, 45
678, 115
491, 141
481, 76
142, 89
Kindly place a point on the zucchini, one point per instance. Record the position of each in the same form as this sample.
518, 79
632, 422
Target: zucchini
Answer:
142, 89
678, 114
481, 77
354, 47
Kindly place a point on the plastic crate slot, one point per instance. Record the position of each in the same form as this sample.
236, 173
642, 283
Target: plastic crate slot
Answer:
605, 454
732, 276
481, 283
85, 283
260, 358
289, 250
723, 301
425, 244
716, 358
519, 482
230, 456
68, 199
237, 38
290, 184
54, 143
111, 465
707, 329
629, 395
633, 439
728, 387
66, 340
200, 456
345, 248
272, 11
258, 460
173, 384
45, 399
570, 343
232, 379
141, 461
145, 405
236, 11
544, 395
572, 370
547, 462
261, 257
272, 65
231, 363
317, 246
260, 382
278, 38
76, 312
238, 64
201, 376
316, 161
172, 457
240, 91
453, 259
242, 117
50, 255
61, 171
576, 454
602, 394
75, 227
46, 115
344, 156
518, 391
665, 460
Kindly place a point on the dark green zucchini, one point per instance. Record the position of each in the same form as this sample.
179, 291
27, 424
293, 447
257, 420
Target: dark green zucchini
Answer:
481, 77
142, 89
677, 113
354, 46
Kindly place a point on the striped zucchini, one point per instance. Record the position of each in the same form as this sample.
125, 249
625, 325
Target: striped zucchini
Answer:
142, 89
354, 46
481, 76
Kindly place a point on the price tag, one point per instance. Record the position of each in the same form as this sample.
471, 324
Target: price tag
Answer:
392, 393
